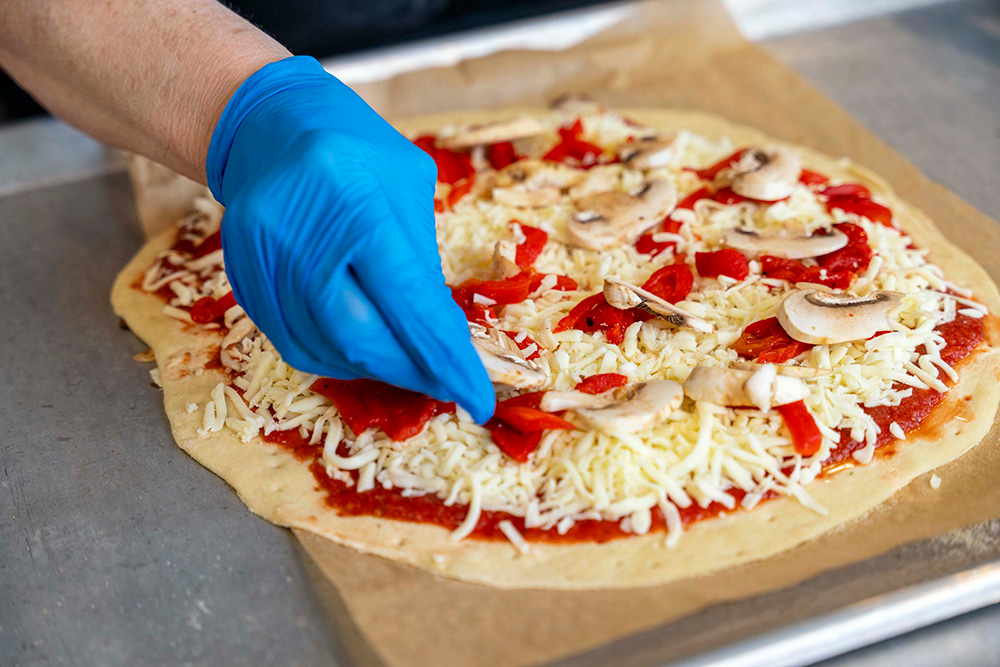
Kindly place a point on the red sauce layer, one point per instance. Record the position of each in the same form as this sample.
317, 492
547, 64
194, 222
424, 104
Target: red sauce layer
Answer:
962, 336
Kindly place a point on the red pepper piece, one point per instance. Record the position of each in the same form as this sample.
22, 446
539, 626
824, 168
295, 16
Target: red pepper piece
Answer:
801, 425
863, 207
854, 257
438, 206
696, 196
518, 446
519, 437
571, 148
813, 179
728, 197
363, 404
671, 283
526, 419
525, 343
598, 384
594, 314
460, 189
463, 296
534, 242
766, 342
502, 154
648, 246
847, 190
207, 309
512, 290
780, 268
452, 166
726, 262
209, 244
709, 173
563, 283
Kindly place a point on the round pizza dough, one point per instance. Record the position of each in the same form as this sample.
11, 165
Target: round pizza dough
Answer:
277, 487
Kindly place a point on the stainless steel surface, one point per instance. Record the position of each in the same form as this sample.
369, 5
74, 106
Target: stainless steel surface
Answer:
116, 548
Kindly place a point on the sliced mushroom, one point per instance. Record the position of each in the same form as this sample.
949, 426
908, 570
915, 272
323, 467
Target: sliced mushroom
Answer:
785, 245
761, 388
622, 295
818, 317
492, 133
648, 152
534, 183
242, 328
629, 409
804, 372
504, 362
767, 173
505, 260
610, 219
602, 178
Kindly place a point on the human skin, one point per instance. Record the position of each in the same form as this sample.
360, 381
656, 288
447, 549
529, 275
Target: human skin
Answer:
151, 77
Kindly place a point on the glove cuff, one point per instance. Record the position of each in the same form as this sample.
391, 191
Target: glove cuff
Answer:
269, 80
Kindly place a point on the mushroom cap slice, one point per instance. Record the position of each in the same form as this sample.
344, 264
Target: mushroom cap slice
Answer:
504, 362
632, 408
606, 220
761, 388
492, 133
534, 183
622, 295
505, 260
784, 245
825, 318
766, 173
648, 152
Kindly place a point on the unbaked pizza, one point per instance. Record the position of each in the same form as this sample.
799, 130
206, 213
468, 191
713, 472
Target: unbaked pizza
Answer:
708, 346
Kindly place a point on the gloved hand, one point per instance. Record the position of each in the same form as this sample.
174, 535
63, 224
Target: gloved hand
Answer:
329, 237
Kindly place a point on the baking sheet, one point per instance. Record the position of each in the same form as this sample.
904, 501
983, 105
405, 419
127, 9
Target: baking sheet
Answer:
683, 54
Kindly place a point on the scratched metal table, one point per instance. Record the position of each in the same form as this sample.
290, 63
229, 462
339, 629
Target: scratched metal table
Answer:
117, 549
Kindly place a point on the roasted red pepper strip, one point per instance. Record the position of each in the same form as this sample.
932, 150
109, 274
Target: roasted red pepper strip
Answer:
709, 173
863, 207
571, 148
813, 179
854, 257
534, 242
209, 244
671, 283
460, 189
847, 190
525, 343
766, 342
726, 262
801, 425
598, 384
563, 283
452, 166
594, 314
502, 154
364, 404
207, 309
517, 425
648, 246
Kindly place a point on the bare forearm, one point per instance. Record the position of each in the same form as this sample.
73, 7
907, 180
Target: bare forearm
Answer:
151, 76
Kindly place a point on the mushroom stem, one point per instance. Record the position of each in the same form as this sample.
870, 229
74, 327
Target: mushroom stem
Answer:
762, 388
622, 295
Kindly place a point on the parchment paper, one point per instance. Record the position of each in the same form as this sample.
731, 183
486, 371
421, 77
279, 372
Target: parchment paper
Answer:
685, 54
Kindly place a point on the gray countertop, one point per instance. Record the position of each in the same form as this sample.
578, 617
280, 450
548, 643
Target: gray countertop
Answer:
118, 549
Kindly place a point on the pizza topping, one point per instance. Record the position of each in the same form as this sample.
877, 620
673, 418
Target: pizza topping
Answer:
806, 436
598, 384
493, 133
518, 423
573, 149
532, 183
804, 372
760, 388
623, 296
505, 260
825, 318
783, 244
648, 152
766, 174
768, 343
505, 363
628, 409
452, 167
613, 218
672, 283
725, 262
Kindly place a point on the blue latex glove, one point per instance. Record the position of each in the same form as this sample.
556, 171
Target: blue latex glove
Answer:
329, 237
